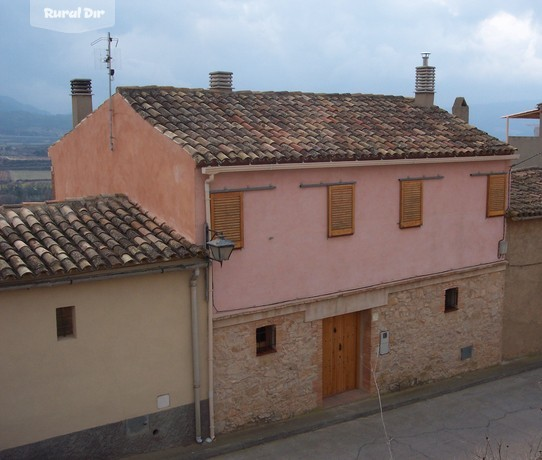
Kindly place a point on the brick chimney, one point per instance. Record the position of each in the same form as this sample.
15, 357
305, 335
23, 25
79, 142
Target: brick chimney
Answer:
221, 81
425, 83
81, 99
461, 109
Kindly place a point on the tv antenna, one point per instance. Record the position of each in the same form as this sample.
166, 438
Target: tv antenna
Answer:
108, 59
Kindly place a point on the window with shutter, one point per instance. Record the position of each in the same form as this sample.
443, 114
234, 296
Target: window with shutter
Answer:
340, 210
227, 216
496, 195
411, 205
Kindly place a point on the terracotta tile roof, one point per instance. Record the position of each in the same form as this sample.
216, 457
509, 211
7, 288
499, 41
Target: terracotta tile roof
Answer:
247, 127
78, 236
526, 194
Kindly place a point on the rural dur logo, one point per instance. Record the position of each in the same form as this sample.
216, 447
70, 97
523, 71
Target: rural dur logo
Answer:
72, 16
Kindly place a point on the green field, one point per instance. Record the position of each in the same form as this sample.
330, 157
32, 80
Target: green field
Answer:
29, 175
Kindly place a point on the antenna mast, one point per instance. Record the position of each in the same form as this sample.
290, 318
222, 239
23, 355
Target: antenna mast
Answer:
110, 73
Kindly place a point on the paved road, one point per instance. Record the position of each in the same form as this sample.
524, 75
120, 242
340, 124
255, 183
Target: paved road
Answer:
500, 420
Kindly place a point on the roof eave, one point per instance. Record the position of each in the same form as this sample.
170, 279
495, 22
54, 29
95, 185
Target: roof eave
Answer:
100, 275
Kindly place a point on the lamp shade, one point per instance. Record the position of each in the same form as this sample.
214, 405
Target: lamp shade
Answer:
220, 248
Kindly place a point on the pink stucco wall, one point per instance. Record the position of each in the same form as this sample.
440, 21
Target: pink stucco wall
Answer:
287, 254
145, 165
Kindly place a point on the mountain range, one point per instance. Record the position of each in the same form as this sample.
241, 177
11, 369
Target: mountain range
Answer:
25, 124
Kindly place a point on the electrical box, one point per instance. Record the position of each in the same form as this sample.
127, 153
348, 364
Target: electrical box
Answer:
503, 248
384, 347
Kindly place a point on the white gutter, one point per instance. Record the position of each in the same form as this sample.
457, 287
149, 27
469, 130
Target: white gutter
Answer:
210, 332
195, 351
211, 170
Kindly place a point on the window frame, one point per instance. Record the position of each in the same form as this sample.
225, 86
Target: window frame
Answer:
268, 343
65, 322
451, 299
340, 210
411, 196
232, 225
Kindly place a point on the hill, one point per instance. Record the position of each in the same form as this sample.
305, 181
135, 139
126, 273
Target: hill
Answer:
24, 124
8, 104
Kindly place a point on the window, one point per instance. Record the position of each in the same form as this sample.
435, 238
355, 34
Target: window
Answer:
340, 212
496, 195
227, 216
265, 340
451, 297
411, 204
466, 352
65, 322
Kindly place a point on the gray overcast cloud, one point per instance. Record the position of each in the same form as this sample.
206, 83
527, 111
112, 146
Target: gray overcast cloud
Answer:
489, 51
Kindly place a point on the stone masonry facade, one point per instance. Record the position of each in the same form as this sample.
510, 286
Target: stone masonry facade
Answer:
425, 344
426, 341
252, 389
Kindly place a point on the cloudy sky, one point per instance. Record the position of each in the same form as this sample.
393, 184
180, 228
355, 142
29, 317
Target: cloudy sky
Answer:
489, 51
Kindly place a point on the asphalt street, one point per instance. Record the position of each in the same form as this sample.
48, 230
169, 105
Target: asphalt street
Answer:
498, 420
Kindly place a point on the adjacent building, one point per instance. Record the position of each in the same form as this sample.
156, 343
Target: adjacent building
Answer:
103, 324
522, 306
529, 147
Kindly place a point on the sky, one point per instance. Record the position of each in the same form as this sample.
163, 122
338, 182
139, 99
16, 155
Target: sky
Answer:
488, 51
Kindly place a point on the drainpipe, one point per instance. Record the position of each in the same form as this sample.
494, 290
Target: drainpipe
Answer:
195, 351
210, 371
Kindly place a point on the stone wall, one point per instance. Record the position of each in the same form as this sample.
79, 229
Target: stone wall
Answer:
273, 386
426, 342
522, 323
157, 431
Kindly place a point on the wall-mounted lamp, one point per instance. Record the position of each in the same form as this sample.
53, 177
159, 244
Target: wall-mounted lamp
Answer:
220, 248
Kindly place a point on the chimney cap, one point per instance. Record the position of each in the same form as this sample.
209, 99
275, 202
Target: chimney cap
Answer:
81, 86
425, 83
220, 80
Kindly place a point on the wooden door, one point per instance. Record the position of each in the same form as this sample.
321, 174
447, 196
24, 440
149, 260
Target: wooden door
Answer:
340, 354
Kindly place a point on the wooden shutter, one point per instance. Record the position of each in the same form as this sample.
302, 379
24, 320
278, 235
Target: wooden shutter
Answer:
227, 216
496, 195
340, 210
411, 204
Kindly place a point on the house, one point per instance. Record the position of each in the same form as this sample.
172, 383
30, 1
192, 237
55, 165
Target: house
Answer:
529, 147
103, 331
368, 232
522, 305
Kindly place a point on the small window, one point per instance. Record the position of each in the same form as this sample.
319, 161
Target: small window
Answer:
340, 210
451, 299
466, 352
496, 195
265, 340
65, 322
411, 204
227, 216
